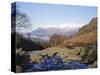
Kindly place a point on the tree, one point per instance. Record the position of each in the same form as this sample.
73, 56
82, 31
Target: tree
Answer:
57, 40
19, 20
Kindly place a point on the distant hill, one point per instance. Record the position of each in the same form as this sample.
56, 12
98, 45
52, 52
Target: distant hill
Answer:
86, 35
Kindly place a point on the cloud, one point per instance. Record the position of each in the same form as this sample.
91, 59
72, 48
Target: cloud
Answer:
61, 25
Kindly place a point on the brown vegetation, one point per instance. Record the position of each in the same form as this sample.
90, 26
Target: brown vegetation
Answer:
86, 39
56, 40
90, 27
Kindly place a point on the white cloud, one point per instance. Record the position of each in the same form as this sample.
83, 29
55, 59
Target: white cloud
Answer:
62, 25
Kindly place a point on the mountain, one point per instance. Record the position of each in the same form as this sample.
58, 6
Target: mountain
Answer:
86, 35
46, 33
39, 32
50, 31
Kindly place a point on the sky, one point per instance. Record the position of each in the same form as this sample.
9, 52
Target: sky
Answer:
57, 15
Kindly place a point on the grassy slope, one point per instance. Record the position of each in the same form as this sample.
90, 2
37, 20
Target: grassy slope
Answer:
89, 38
90, 27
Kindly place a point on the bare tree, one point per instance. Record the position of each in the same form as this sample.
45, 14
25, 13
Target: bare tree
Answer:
19, 20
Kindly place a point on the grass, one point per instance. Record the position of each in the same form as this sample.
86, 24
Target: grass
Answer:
65, 53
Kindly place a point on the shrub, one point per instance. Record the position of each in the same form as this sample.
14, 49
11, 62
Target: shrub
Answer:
89, 54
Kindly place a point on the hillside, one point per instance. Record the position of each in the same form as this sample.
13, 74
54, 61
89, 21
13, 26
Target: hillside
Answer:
86, 35
90, 27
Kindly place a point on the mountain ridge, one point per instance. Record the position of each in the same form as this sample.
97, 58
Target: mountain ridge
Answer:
48, 32
91, 26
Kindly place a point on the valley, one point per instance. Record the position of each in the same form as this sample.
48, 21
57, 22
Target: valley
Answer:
60, 50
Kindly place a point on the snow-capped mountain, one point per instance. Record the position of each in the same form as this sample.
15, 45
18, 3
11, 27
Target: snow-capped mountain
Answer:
46, 33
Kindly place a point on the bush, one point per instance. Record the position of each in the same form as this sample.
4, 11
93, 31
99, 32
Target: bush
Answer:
89, 54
